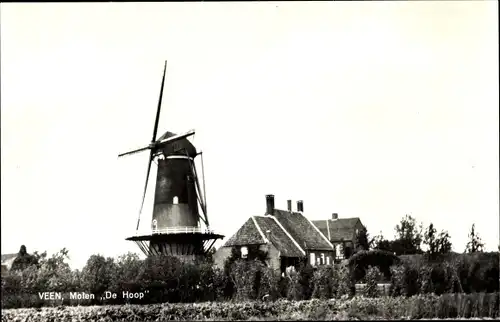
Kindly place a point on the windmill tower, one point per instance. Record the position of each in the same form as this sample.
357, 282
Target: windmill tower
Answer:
176, 222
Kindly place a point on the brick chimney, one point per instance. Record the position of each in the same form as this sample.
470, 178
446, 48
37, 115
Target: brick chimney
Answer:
300, 206
269, 204
335, 216
289, 204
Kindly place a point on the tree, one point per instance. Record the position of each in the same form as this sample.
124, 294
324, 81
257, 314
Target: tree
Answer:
408, 236
444, 243
126, 270
430, 239
380, 243
97, 275
438, 244
23, 260
474, 244
48, 274
361, 242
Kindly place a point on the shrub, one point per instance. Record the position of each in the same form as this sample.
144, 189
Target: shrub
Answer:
421, 306
269, 283
220, 282
97, 275
360, 261
294, 290
345, 286
245, 276
372, 278
300, 285
425, 280
160, 276
283, 286
444, 278
323, 283
477, 272
404, 280
126, 271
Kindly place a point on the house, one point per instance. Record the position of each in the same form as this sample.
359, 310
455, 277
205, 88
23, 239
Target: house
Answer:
7, 260
341, 232
287, 236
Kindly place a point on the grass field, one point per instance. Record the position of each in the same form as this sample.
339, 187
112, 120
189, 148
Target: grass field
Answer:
448, 306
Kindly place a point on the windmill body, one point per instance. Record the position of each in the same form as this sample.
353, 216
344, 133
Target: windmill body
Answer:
176, 224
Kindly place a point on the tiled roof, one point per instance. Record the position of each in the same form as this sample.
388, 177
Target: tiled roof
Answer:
338, 229
302, 230
248, 234
290, 232
278, 237
6, 257
7, 260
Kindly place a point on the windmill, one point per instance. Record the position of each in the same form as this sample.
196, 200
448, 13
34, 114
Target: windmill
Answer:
176, 222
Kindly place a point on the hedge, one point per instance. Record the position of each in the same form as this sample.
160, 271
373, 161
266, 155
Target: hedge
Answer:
477, 305
166, 279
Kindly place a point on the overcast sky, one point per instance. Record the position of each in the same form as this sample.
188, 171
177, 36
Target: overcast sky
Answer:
367, 109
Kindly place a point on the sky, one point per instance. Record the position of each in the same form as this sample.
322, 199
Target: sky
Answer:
366, 109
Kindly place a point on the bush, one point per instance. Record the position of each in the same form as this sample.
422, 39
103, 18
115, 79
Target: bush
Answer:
323, 283
245, 276
159, 275
167, 279
460, 272
415, 307
372, 278
300, 286
382, 259
294, 289
97, 275
476, 272
444, 279
346, 285
269, 284
126, 270
404, 280
220, 284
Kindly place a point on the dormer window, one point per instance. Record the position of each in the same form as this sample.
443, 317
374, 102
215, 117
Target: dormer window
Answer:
176, 200
155, 224
244, 252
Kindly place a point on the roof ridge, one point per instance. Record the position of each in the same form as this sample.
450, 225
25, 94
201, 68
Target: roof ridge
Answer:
289, 236
317, 229
259, 230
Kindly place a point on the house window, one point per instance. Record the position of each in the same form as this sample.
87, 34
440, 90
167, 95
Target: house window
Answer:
323, 259
357, 231
313, 259
176, 200
155, 224
244, 252
328, 260
339, 251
